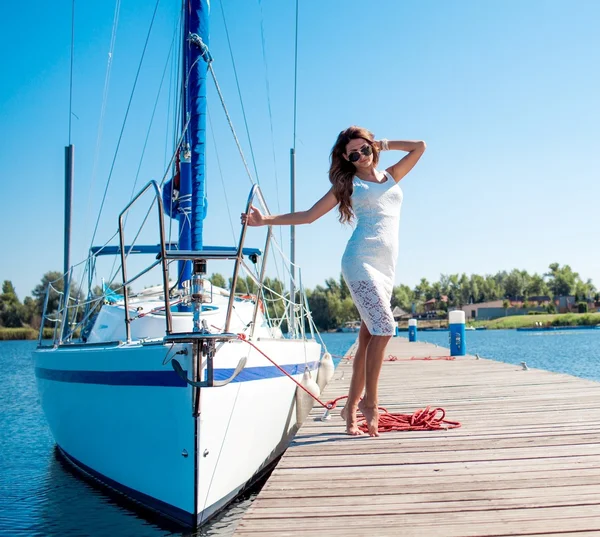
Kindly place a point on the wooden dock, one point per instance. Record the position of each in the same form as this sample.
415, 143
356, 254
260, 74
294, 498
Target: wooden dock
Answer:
526, 460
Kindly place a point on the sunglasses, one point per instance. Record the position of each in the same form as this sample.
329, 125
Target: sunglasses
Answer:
355, 155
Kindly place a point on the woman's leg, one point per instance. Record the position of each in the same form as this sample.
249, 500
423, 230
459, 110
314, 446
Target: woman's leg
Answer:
374, 360
357, 383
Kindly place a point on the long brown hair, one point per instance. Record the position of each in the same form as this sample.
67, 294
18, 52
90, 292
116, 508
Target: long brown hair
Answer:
341, 171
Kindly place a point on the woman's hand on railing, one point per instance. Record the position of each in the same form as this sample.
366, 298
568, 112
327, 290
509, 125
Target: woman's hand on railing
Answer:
255, 218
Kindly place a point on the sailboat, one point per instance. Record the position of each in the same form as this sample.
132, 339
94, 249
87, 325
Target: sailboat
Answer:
169, 395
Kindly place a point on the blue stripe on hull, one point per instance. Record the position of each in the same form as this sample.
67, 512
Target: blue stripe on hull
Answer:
174, 513
162, 378
113, 378
267, 372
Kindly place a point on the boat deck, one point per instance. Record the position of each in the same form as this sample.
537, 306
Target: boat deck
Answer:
526, 460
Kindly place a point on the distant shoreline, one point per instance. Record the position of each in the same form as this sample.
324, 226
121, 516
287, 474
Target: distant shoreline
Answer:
519, 321
26, 333
504, 323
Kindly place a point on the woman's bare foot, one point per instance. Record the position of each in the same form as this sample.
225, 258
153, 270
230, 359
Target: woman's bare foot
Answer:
349, 414
371, 414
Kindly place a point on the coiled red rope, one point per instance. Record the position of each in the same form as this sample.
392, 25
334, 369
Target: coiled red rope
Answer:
423, 419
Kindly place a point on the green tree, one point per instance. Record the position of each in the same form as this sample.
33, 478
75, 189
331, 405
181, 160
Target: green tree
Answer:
422, 291
402, 296
537, 286
476, 285
30, 313
500, 279
344, 290
338, 287
491, 289
515, 284
11, 309
453, 290
331, 306
218, 280
585, 290
332, 286
244, 285
464, 286
561, 280
319, 307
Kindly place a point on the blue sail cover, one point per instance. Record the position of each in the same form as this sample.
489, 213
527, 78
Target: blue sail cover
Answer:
198, 24
191, 203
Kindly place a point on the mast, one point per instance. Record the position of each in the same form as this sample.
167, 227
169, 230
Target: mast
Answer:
69, 154
192, 193
69, 171
292, 327
69, 167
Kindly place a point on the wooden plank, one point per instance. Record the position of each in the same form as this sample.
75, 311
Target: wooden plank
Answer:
434, 470
538, 495
373, 458
313, 490
432, 523
526, 461
340, 528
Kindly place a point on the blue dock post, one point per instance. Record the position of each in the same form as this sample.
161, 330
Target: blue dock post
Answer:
456, 320
412, 330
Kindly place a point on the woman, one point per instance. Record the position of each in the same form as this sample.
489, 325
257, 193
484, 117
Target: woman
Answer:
368, 264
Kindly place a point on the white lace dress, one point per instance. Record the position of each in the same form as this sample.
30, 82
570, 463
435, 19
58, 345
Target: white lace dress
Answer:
369, 261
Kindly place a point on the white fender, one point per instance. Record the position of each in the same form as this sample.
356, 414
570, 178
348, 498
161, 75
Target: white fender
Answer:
326, 371
304, 402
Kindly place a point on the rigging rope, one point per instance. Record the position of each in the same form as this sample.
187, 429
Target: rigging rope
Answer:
237, 142
137, 175
111, 48
237, 82
175, 69
264, 54
166, 174
112, 167
212, 131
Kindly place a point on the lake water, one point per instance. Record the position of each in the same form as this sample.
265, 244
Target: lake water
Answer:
39, 496
575, 352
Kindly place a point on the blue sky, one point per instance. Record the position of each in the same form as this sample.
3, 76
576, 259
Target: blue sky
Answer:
506, 94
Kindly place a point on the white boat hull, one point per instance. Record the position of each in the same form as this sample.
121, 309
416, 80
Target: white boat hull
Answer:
122, 414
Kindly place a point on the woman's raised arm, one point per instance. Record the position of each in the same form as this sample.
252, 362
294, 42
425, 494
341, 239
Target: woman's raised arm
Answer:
407, 163
323, 206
